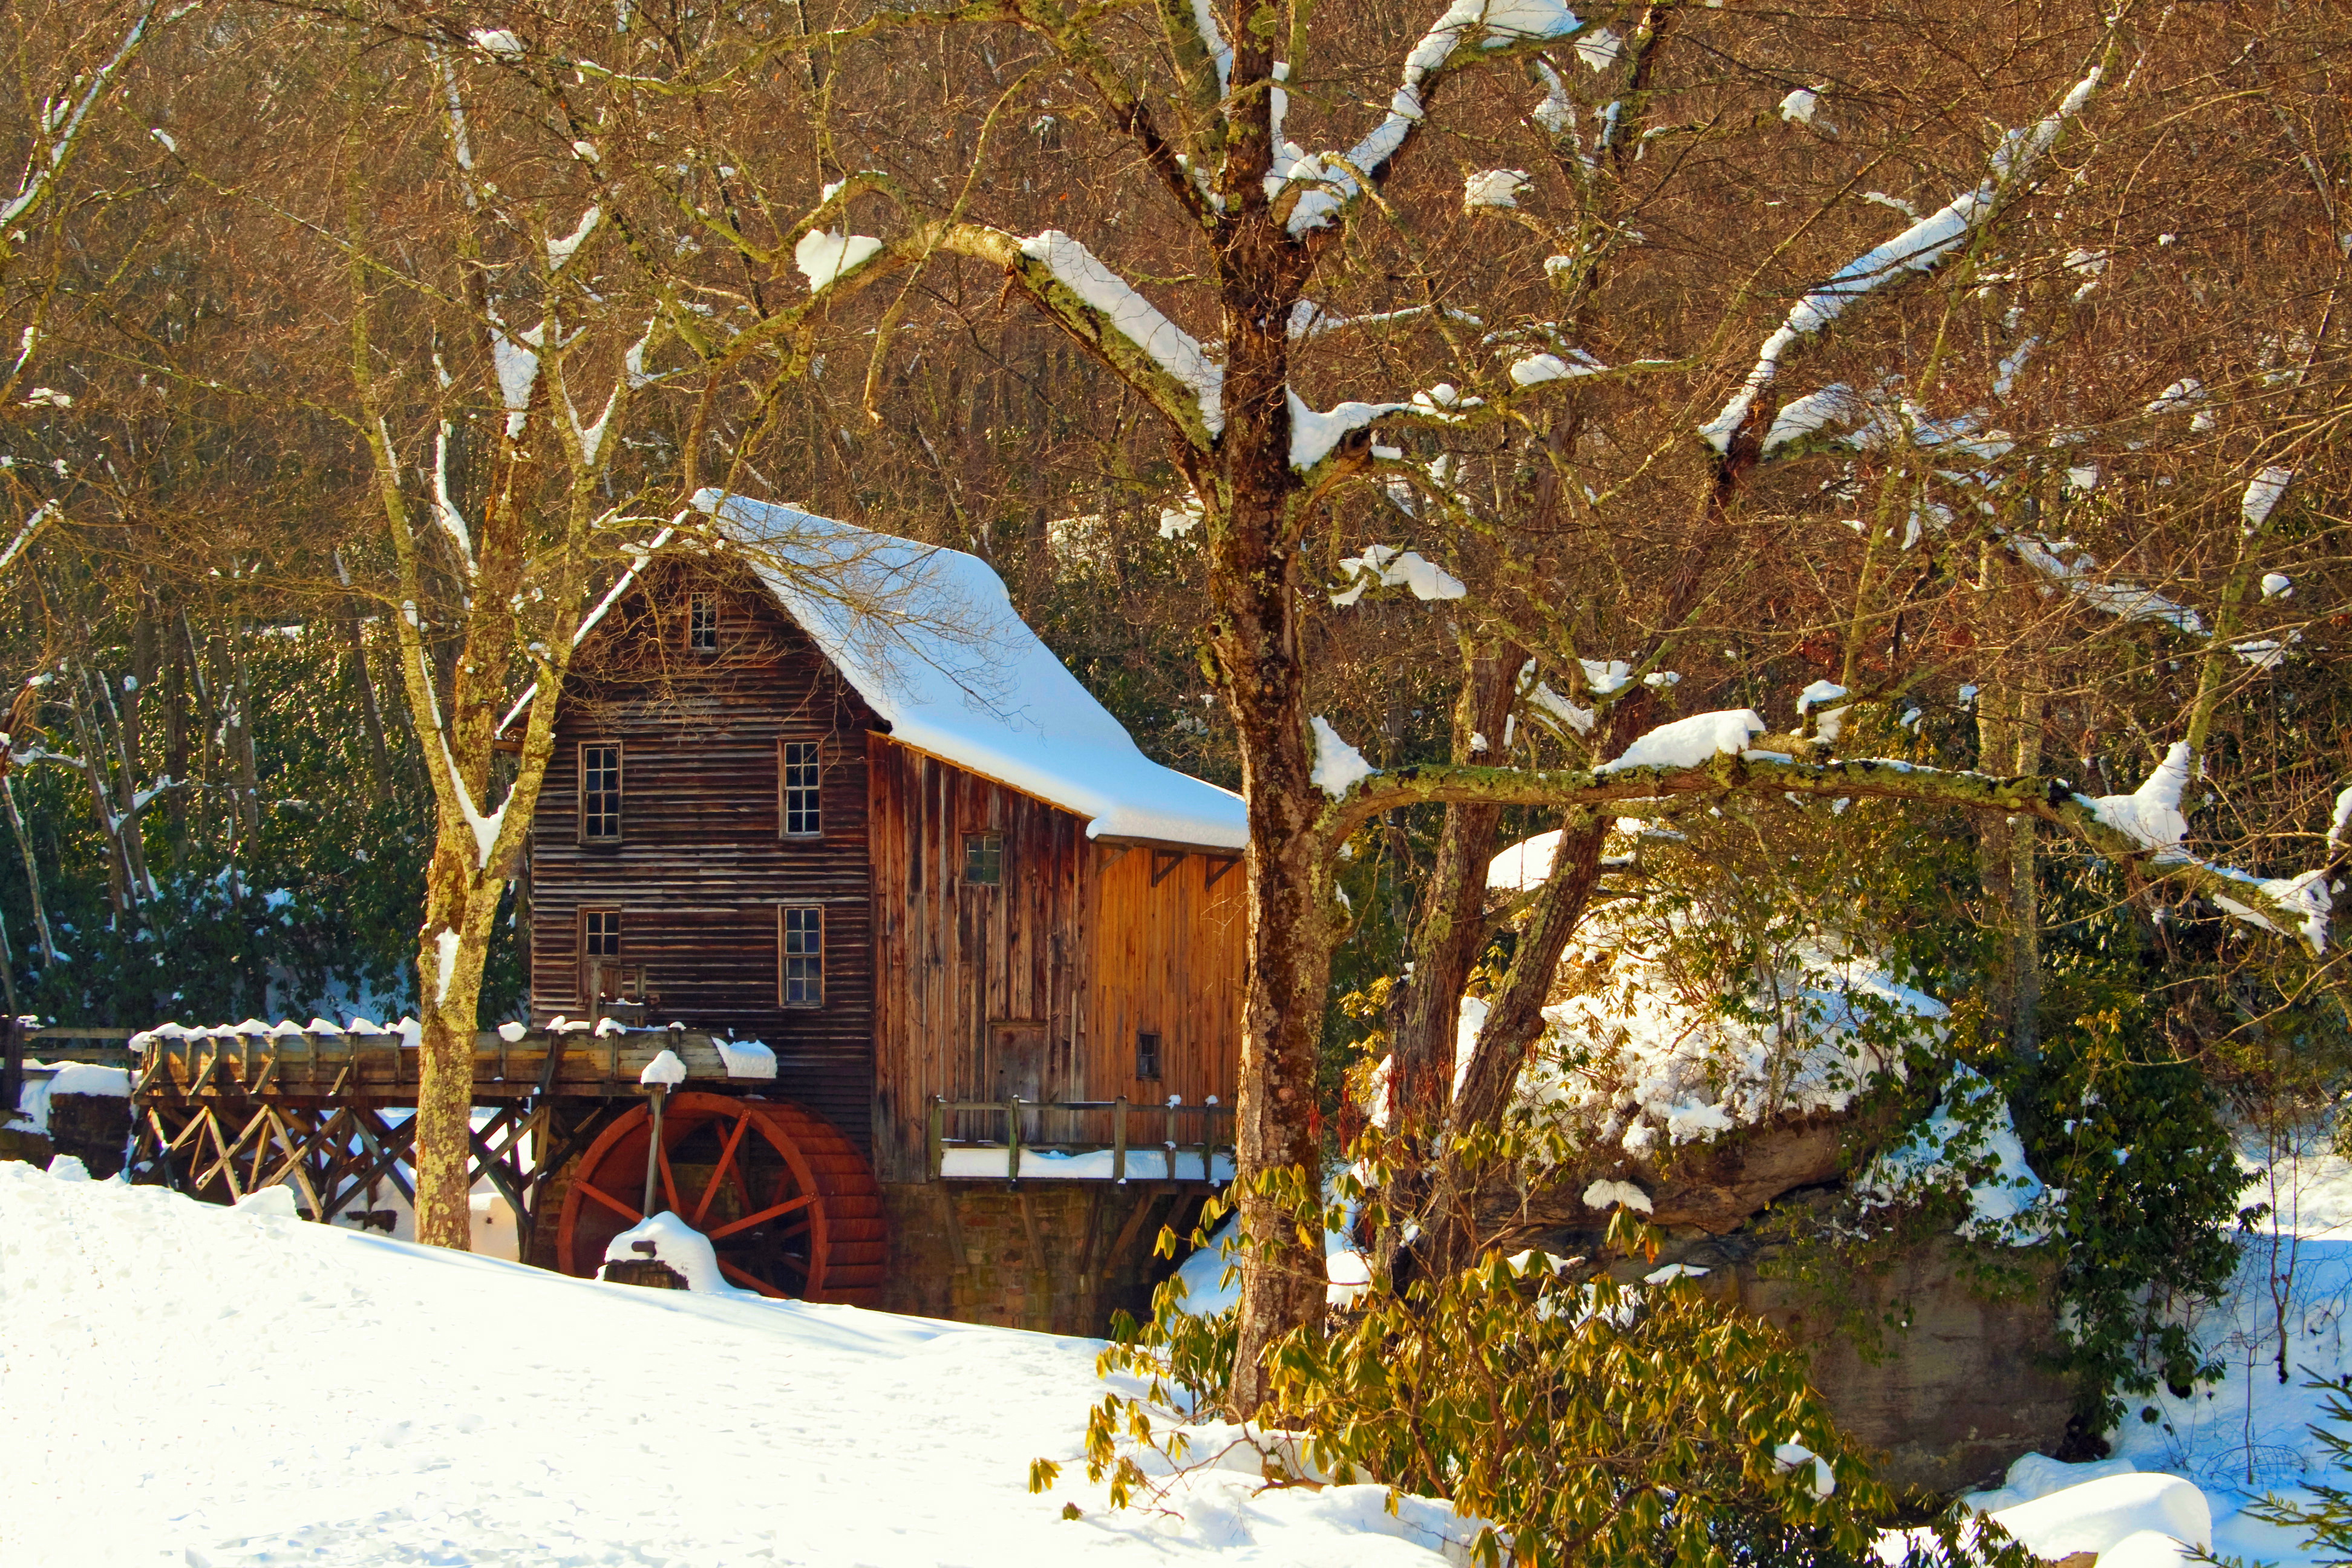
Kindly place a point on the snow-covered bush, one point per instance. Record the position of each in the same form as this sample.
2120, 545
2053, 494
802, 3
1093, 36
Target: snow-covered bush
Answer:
1716, 993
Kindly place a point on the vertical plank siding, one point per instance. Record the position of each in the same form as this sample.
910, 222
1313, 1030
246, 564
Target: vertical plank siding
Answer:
1168, 960
1075, 939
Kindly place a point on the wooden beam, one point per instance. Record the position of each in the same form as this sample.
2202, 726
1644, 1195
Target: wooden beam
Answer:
1164, 863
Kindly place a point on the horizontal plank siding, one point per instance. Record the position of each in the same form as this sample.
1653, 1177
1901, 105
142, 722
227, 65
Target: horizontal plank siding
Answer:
701, 867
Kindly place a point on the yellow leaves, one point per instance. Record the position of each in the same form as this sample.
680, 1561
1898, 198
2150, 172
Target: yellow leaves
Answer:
1043, 1474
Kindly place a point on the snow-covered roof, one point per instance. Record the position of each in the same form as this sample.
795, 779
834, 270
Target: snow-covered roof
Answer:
930, 638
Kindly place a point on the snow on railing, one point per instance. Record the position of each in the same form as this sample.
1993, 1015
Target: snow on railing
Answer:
1203, 1157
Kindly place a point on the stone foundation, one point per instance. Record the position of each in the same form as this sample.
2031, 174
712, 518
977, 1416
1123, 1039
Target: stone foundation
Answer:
1946, 1401
1057, 1257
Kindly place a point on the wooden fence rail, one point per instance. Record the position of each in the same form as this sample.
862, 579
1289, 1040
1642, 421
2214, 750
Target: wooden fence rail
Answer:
1123, 1113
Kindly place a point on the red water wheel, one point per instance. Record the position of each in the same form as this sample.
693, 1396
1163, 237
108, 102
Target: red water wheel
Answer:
785, 1200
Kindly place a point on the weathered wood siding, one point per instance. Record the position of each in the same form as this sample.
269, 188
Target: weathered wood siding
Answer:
702, 867
1036, 985
952, 958
1168, 959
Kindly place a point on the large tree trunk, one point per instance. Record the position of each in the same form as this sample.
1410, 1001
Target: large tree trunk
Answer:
1452, 929
1254, 641
449, 981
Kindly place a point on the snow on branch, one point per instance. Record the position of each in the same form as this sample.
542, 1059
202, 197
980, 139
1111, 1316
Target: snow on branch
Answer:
1135, 318
1690, 742
2262, 492
1195, 22
823, 258
445, 509
1338, 766
1920, 249
516, 360
1316, 433
560, 252
1383, 566
1152, 354
16, 546
1701, 761
2118, 599
1326, 183
62, 121
2151, 814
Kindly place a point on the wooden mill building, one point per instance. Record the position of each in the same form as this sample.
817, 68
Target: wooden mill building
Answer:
823, 788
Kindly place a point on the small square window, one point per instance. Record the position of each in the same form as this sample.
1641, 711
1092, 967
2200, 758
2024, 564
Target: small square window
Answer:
600, 933
1146, 1054
801, 942
600, 790
802, 776
702, 622
983, 858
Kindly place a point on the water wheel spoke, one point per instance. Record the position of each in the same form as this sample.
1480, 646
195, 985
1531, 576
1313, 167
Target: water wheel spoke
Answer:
749, 1220
668, 1180
743, 1277
719, 1174
626, 1210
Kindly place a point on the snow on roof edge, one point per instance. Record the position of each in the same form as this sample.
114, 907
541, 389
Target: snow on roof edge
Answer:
928, 637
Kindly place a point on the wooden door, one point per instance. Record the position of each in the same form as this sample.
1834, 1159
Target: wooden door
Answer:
1018, 1049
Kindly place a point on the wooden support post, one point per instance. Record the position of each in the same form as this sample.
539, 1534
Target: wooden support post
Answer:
653, 1150
1119, 1140
935, 1146
1143, 1206
553, 1064
1168, 1143
12, 1058
1012, 1140
1208, 1135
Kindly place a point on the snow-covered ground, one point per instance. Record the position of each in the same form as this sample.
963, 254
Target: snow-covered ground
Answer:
197, 1387
2239, 1438
185, 1384
2248, 1434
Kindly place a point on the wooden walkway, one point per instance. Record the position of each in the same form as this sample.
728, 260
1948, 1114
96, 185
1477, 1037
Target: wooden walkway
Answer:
222, 1116
305, 1067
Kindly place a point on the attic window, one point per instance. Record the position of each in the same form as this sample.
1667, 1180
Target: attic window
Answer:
702, 622
1146, 1056
983, 859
